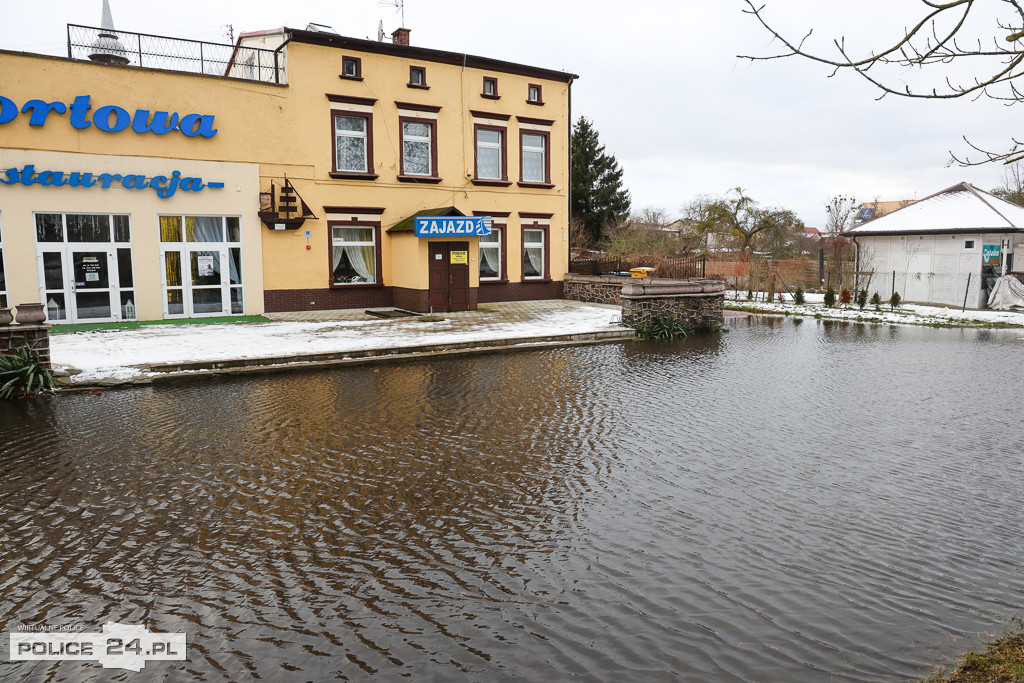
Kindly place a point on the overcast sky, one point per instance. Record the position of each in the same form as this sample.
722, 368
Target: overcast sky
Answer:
660, 80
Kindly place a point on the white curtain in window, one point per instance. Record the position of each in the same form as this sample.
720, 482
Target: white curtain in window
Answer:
491, 256
236, 278
205, 228
350, 134
361, 259
533, 158
535, 257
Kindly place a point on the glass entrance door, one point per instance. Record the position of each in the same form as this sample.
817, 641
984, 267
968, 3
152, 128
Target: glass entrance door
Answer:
91, 271
85, 267
208, 281
79, 284
202, 265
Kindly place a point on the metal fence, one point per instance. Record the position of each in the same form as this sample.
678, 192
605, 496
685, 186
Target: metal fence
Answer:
785, 275
176, 54
964, 289
663, 267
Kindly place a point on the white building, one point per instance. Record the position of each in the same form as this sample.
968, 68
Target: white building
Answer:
945, 249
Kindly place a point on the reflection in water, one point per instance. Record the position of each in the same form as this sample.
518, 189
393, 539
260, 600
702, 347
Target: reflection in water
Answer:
786, 502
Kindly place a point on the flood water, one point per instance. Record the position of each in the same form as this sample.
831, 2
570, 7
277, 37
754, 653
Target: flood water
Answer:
793, 501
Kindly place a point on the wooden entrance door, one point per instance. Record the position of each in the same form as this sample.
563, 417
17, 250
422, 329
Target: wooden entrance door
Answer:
449, 276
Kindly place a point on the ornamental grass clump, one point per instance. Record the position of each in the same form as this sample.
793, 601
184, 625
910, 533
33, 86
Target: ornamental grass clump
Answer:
846, 297
662, 327
22, 375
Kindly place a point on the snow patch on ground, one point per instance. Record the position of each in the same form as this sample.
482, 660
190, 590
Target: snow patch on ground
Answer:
908, 314
125, 354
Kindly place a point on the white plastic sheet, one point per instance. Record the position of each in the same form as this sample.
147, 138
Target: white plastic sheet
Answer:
1008, 293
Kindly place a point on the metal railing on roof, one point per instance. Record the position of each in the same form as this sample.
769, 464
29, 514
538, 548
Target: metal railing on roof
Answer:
175, 54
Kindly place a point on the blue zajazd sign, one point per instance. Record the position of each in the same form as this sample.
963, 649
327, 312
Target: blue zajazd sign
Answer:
453, 226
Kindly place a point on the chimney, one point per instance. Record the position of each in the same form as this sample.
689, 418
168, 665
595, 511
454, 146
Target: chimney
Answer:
400, 36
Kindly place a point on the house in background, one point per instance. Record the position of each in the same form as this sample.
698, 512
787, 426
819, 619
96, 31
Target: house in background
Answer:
869, 211
944, 249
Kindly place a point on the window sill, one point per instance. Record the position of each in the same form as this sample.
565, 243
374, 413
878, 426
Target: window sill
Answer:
417, 86
539, 186
527, 279
490, 97
427, 179
538, 103
357, 285
351, 175
493, 282
350, 78
491, 183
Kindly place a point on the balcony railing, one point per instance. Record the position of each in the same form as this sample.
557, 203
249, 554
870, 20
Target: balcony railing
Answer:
176, 54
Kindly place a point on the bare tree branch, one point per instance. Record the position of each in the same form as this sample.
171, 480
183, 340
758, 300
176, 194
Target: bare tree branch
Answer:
930, 46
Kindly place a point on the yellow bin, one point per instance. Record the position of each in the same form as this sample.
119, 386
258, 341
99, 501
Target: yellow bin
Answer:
641, 272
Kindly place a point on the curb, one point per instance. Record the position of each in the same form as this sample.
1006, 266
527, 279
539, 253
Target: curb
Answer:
170, 372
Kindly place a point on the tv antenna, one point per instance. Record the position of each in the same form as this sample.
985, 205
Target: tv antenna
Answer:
399, 6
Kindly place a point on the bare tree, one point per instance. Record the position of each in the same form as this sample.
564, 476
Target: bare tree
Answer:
646, 233
941, 36
739, 215
838, 211
1012, 188
696, 217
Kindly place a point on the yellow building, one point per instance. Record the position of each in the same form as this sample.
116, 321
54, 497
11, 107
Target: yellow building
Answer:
286, 176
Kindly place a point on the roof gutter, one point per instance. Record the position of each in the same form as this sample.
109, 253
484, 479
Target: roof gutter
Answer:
950, 231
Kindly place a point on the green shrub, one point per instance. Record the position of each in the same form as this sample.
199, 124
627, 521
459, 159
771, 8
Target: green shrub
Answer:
798, 296
862, 299
21, 375
894, 300
876, 301
662, 327
830, 298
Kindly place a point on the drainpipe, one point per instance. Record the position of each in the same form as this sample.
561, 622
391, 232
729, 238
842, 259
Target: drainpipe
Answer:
277, 61
856, 262
568, 190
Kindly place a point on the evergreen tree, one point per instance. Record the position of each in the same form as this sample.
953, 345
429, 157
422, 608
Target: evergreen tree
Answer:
599, 200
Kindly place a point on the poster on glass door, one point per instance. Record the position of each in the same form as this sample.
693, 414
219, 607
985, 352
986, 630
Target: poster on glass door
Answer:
205, 266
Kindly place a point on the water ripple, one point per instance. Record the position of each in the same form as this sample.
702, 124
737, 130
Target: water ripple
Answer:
787, 502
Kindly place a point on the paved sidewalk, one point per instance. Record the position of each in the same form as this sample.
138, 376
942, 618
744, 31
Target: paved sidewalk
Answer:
164, 352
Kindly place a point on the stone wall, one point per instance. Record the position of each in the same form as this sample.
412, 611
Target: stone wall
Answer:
593, 289
696, 303
36, 337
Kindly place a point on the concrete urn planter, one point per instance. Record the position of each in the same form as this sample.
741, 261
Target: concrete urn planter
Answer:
31, 314
6, 316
